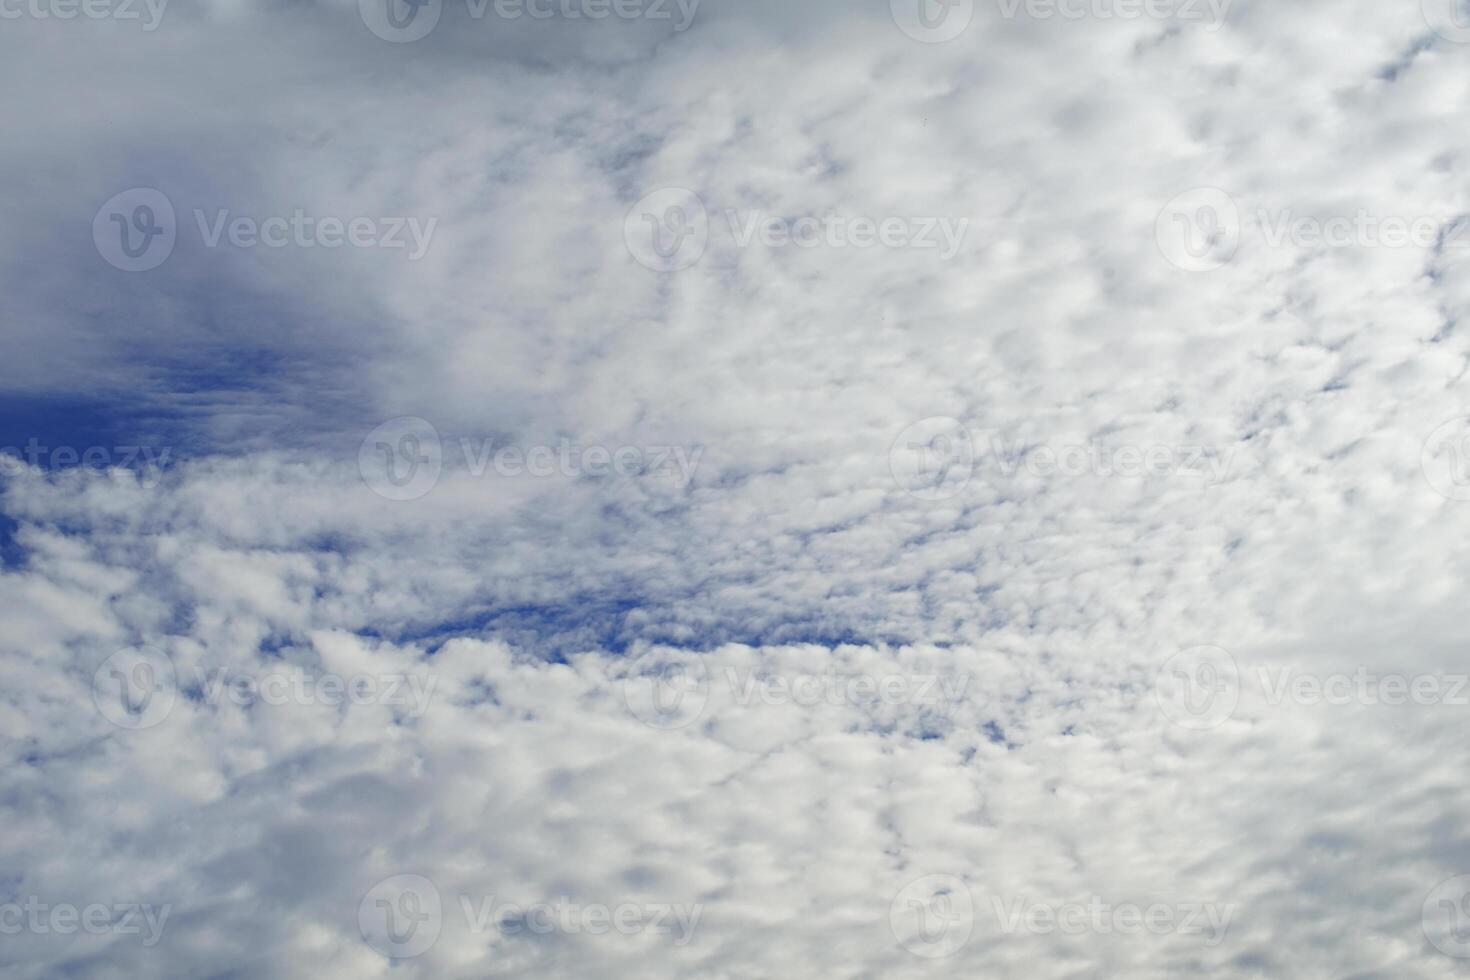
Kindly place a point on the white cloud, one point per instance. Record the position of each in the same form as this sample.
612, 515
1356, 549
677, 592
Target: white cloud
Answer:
792, 561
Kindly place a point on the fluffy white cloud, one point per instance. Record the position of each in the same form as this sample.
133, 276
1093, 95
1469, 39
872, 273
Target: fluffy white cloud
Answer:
896, 657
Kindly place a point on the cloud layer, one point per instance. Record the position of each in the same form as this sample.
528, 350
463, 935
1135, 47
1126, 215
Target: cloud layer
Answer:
670, 563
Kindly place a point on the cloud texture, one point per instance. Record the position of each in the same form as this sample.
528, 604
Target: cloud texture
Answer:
821, 602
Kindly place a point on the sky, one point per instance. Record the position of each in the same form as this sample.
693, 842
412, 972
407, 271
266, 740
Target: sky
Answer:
734, 488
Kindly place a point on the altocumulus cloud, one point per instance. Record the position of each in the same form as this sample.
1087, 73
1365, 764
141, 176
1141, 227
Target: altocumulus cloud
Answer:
495, 489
